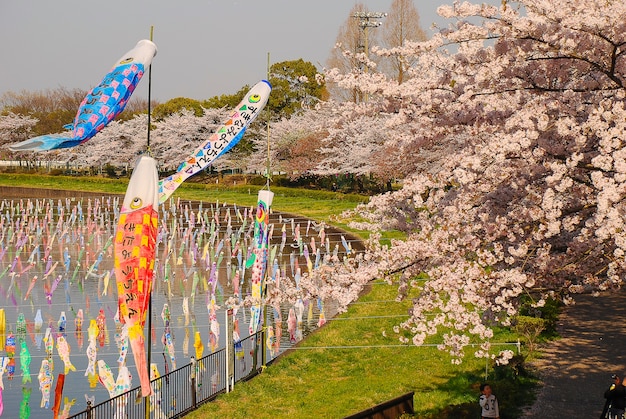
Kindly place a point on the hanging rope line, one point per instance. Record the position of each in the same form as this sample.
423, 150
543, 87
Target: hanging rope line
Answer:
431, 345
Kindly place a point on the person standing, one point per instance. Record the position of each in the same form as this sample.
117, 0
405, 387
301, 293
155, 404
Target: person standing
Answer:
488, 402
615, 399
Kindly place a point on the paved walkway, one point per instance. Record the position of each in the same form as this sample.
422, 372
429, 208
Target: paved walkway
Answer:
576, 369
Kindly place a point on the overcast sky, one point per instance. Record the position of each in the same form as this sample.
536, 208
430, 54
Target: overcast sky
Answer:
205, 47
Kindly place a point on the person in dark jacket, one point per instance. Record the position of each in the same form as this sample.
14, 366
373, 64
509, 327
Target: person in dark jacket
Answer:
615, 399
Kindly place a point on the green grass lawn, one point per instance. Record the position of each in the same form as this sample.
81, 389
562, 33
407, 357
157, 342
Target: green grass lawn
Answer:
356, 360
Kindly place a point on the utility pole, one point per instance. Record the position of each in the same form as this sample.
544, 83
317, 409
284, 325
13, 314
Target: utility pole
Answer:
368, 20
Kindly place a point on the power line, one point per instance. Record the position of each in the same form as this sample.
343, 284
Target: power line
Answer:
368, 20
516, 344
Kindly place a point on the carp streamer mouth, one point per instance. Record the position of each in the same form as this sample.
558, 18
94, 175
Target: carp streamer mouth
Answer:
26, 145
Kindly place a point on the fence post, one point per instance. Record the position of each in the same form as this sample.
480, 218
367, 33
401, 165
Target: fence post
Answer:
263, 347
230, 352
192, 376
89, 407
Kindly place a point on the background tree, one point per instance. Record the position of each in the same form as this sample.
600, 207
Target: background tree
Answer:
55, 108
348, 54
402, 24
294, 144
294, 87
52, 108
177, 106
135, 106
228, 101
351, 148
15, 127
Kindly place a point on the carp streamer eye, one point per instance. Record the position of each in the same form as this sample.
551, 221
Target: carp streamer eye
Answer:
136, 203
254, 98
126, 60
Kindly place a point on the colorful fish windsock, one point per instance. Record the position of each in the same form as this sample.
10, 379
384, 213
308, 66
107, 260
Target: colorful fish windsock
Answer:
38, 321
67, 405
2, 328
135, 246
101, 322
25, 360
25, 403
155, 398
93, 329
20, 327
105, 376
58, 395
123, 381
45, 383
63, 348
122, 345
198, 345
169, 348
48, 341
271, 340
4, 363
102, 104
92, 352
291, 325
221, 141
258, 256
10, 344
78, 321
11, 368
62, 323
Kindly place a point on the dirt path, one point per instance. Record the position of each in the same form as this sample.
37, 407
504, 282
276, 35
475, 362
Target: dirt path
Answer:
576, 369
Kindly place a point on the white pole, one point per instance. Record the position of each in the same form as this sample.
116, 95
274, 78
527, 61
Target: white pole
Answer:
230, 359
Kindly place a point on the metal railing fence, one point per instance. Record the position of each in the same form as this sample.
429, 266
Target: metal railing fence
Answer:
180, 391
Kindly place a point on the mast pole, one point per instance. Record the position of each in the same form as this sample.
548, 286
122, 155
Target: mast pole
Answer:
149, 352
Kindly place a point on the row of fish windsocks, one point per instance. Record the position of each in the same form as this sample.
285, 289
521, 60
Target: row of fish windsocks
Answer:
16, 346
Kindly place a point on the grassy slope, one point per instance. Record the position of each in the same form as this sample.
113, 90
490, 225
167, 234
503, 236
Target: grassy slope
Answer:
356, 367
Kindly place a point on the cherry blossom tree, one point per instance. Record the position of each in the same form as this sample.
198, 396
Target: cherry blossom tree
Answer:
15, 127
294, 143
322, 142
516, 114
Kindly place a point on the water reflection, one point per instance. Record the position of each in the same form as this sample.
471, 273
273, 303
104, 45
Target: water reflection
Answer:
59, 302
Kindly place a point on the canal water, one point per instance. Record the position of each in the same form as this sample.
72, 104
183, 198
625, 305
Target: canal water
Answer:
56, 265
